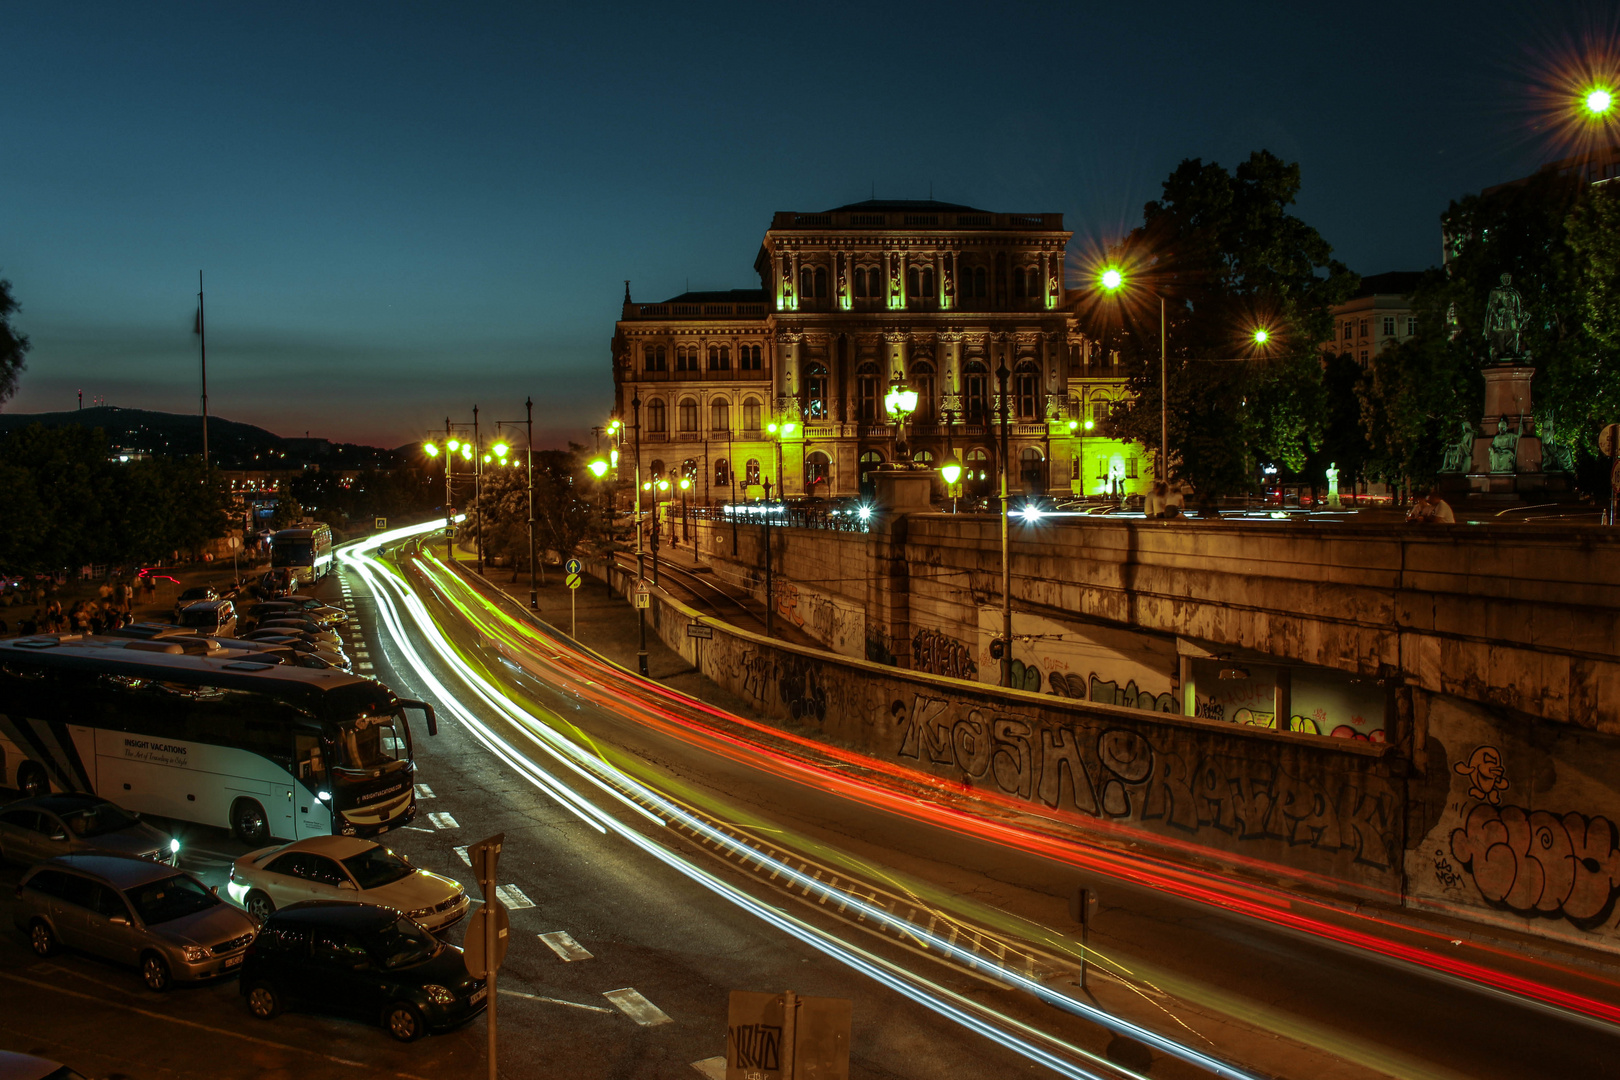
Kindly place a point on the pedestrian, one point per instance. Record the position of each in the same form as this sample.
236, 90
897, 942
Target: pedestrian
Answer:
1157, 496
1175, 502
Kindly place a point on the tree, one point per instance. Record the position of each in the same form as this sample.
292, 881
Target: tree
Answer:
562, 514
13, 345
1229, 259
287, 514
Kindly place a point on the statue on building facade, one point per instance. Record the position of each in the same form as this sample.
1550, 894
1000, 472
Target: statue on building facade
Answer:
1504, 448
894, 277
1504, 324
1555, 456
1460, 453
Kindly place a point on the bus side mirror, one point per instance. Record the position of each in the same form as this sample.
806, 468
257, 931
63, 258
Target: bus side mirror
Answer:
427, 710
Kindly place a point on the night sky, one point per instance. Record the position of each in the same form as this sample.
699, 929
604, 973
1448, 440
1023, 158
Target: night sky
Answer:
402, 210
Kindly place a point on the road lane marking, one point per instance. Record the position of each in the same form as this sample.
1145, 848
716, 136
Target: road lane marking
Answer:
638, 1008
367, 667
424, 792
461, 850
563, 944
559, 1001
442, 820
712, 1068
513, 897
415, 828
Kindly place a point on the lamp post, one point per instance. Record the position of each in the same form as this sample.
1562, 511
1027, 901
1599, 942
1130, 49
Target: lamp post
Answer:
778, 431
641, 573
1112, 280
900, 402
686, 483
1006, 562
951, 469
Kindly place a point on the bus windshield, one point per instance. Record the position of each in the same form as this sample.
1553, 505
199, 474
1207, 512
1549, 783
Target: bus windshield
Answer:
292, 553
371, 743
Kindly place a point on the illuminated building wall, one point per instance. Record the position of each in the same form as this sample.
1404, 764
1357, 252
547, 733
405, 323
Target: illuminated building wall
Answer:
850, 299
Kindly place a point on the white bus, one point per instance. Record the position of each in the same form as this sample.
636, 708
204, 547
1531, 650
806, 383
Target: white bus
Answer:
269, 751
306, 554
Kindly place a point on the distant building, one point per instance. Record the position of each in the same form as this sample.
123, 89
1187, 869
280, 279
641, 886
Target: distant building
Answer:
852, 301
1377, 316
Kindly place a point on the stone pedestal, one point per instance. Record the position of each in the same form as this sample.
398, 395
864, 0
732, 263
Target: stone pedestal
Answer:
903, 491
1507, 398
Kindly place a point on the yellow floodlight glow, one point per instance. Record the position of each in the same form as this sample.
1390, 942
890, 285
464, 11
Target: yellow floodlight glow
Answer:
613, 425
1261, 336
1090, 424
613, 458
686, 482
951, 471
598, 468
771, 427
466, 451
663, 485
647, 486
501, 449
430, 450
1599, 100
789, 427
454, 445
1112, 279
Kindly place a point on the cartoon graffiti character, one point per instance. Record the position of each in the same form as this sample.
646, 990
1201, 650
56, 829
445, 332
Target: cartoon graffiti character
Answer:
1486, 775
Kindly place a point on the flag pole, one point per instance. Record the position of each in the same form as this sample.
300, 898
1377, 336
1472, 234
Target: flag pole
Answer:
202, 333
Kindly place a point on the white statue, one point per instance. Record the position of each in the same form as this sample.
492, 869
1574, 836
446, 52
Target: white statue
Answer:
1333, 485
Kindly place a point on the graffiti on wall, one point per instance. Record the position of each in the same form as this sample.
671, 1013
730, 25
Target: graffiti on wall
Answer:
1535, 862
1119, 773
938, 654
787, 602
1094, 688
801, 688
1487, 777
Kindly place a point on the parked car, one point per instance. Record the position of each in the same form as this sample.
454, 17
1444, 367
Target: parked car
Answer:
211, 618
307, 608
33, 830
360, 959
309, 628
28, 1067
344, 868
333, 655
136, 912
274, 583
195, 595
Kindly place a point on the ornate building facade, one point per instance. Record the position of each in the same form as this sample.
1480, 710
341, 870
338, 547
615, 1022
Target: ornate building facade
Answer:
780, 389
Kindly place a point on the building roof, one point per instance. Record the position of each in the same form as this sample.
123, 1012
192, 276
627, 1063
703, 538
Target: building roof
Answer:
1394, 283
876, 206
720, 296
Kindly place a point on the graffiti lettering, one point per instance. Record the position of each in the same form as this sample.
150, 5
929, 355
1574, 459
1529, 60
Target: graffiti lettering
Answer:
1444, 872
933, 652
756, 1046
801, 689
1537, 863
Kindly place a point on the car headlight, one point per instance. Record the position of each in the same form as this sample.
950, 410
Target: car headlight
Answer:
438, 994
193, 953
420, 913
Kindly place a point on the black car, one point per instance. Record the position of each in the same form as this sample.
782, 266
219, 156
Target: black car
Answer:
367, 961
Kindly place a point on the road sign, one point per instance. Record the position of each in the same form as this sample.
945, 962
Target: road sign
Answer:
574, 566
643, 595
1609, 440
701, 630
478, 934
571, 580
382, 523
450, 533
485, 857
775, 1036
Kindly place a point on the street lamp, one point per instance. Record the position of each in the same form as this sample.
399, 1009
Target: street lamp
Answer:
951, 472
900, 402
686, 483
1113, 280
1598, 101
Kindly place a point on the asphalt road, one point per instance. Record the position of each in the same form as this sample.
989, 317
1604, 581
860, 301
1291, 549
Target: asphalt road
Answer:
662, 910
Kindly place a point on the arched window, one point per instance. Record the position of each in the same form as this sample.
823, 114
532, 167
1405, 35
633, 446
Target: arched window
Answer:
751, 415
874, 283
748, 358
686, 358
657, 359
866, 393
817, 470
976, 391
914, 283
720, 415
686, 416
722, 473
815, 392
1030, 469
980, 287
928, 283
869, 461
923, 457
657, 422
1027, 390
821, 283
751, 472
689, 468
922, 381
976, 472
656, 470
807, 283
860, 281
1018, 281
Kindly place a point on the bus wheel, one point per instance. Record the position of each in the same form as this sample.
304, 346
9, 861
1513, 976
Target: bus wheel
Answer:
249, 823
31, 781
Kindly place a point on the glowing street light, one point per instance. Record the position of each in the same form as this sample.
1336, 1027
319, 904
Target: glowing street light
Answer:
1261, 336
1112, 279
454, 445
951, 471
501, 450
598, 468
430, 449
1599, 100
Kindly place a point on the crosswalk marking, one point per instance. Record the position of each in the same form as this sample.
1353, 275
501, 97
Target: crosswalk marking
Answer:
442, 820
513, 897
570, 1004
632, 1004
424, 792
368, 667
563, 944
461, 850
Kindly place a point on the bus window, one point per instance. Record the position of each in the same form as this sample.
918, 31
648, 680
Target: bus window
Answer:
311, 764
372, 742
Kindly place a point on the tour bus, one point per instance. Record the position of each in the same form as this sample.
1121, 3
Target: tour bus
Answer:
269, 751
306, 554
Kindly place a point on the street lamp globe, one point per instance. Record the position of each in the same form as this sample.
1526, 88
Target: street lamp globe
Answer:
598, 468
1261, 336
1112, 279
501, 449
430, 449
1599, 100
454, 445
951, 471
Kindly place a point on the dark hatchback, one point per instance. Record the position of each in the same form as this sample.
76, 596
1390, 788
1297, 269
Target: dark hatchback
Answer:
362, 960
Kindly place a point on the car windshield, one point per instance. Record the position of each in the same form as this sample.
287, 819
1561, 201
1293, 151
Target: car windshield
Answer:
402, 944
170, 899
372, 742
98, 820
378, 867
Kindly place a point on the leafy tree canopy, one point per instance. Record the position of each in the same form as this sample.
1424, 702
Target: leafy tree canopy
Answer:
13, 345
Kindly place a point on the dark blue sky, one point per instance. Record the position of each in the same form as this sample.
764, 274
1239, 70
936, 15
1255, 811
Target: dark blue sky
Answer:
405, 209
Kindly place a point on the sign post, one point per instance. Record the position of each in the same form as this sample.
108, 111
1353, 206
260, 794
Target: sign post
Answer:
572, 569
1609, 446
484, 959
786, 1036
1082, 906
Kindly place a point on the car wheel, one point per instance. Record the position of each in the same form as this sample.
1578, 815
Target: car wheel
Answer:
263, 1001
31, 780
259, 905
249, 823
155, 973
42, 938
403, 1021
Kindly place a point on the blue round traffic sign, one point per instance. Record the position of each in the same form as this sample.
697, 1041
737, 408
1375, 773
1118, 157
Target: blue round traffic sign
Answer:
573, 566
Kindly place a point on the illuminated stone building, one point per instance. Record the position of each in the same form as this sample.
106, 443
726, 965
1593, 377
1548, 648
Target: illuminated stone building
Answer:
852, 300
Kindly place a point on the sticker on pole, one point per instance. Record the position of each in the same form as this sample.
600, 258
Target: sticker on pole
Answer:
574, 566
643, 596
572, 580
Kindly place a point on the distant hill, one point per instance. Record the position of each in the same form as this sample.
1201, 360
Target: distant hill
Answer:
230, 444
